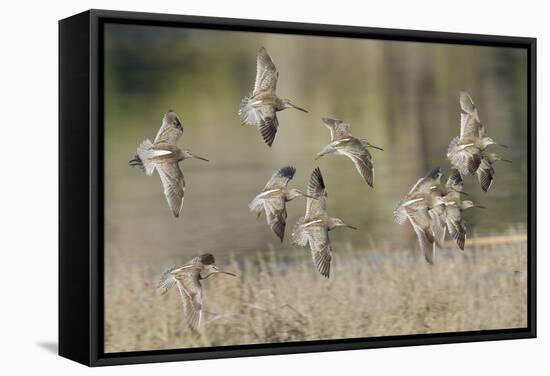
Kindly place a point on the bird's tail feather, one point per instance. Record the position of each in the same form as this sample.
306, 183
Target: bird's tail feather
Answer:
142, 158
299, 235
249, 113
256, 206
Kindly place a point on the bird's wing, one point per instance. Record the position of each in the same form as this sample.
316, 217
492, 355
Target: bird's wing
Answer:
455, 181
316, 203
266, 73
465, 159
437, 226
173, 183
470, 127
321, 251
268, 124
299, 234
421, 223
485, 174
275, 211
338, 129
363, 163
467, 105
281, 178
455, 225
168, 133
191, 296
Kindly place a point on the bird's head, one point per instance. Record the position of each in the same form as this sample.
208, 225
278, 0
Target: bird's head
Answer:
466, 204
337, 222
171, 118
486, 141
207, 260
326, 150
293, 193
288, 104
186, 154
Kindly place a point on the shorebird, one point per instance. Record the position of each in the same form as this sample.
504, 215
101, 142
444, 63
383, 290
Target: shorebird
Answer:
434, 209
313, 228
273, 200
164, 156
261, 107
187, 278
416, 206
343, 143
466, 152
451, 212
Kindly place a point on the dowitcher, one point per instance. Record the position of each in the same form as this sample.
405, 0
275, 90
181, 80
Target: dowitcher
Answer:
313, 228
164, 156
427, 224
343, 143
273, 200
260, 109
433, 209
451, 212
466, 151
187, 278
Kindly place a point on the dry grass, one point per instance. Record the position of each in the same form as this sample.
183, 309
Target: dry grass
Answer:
281, 298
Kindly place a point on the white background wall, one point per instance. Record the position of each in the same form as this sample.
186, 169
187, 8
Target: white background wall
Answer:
28, 187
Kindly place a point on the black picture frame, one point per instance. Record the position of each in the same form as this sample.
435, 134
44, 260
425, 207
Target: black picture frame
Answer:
81, 187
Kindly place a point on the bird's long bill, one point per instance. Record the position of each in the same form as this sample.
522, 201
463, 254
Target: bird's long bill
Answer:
228, 273
480, 207
375, 147
201, 158
503, 146
352, 227
296, 107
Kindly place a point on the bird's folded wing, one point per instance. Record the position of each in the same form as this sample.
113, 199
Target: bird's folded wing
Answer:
191, 295
338, 129
316, 202
321, 251
281, 178
266, 73
173, 183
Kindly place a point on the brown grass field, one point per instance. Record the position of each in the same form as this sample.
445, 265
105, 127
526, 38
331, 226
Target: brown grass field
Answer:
280, 297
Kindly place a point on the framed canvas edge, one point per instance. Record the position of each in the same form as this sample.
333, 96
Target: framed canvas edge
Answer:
99, 358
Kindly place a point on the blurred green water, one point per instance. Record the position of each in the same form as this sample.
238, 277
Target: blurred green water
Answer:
400, 96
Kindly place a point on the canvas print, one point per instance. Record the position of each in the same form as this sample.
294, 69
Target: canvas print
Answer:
266, 188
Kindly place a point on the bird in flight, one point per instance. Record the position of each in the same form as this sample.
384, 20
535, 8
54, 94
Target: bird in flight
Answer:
261, 107
188, 280
314, 226
343, 143
272, 200
164, 156
466, 152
